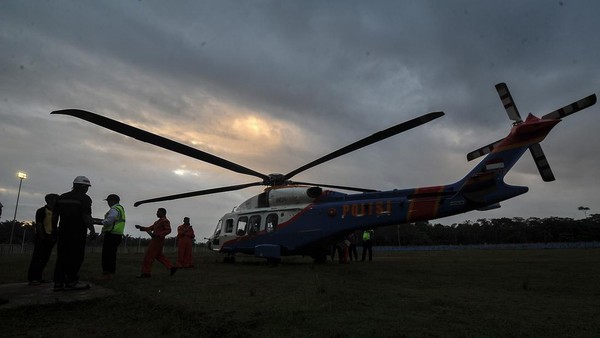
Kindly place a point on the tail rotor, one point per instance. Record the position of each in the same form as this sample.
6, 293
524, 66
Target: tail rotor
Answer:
535, 149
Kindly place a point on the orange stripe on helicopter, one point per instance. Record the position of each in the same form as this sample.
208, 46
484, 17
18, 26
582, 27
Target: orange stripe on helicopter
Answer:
513, 145
424, 207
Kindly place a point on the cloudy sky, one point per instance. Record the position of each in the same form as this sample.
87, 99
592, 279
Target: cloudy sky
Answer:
272, 85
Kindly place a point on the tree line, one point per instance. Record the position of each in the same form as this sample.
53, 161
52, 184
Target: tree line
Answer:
493, 231
483, 231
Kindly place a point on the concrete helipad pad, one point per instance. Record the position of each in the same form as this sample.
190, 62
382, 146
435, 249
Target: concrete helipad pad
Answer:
21, 294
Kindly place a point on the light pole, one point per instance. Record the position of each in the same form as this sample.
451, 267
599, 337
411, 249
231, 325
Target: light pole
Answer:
21, 175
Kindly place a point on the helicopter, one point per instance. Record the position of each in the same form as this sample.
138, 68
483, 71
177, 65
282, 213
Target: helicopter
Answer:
302, 218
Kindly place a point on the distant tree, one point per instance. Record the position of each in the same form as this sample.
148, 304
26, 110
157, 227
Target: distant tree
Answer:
584, 209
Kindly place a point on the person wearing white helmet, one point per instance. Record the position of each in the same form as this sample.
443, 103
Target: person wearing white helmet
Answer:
72, 215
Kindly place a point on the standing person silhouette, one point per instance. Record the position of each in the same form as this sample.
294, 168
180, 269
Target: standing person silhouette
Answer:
113, 226
44, 241
368, 243
352, 247
185, 238
72, 215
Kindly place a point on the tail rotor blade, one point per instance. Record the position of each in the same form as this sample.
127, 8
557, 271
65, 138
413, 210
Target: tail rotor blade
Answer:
572, 108
508, 102
541, 162
482, 151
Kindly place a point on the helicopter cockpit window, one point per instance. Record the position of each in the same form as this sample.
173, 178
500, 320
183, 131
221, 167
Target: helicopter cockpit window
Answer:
241, 226
218, 229
229, 226
254, 224
271, 222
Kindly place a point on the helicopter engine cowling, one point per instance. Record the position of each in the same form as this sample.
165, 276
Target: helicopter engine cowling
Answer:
293, 195
284, 196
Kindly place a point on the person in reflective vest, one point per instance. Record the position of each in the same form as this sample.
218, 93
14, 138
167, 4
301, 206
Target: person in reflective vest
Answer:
113, 226
368, 243
185, 238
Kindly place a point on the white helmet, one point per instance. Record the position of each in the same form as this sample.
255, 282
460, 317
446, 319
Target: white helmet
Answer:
82, 180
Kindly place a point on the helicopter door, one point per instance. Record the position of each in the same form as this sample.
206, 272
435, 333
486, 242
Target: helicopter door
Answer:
223, 233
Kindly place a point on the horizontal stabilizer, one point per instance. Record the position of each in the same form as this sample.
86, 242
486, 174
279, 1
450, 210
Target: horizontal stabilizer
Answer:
490, 207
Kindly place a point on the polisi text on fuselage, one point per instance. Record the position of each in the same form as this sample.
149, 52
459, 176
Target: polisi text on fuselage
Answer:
367, 209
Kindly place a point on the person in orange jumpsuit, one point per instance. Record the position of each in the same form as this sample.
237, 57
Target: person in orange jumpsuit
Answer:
158, 231
185, 237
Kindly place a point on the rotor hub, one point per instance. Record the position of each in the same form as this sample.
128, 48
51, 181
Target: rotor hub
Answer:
276, 179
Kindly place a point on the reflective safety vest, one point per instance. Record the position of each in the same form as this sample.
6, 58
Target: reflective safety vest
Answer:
367, 235
119, 225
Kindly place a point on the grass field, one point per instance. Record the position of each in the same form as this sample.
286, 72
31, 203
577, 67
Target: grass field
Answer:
520, 293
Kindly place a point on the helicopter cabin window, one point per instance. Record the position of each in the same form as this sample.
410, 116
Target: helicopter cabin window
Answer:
229, 226
271, 222
241, 226
254, 224
218, 229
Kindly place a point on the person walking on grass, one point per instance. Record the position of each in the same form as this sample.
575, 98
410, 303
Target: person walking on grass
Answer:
185, 238
158, 231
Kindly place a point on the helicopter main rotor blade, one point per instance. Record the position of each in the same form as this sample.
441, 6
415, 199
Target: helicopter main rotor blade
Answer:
381, 135
197, 193
159, 141
334, 186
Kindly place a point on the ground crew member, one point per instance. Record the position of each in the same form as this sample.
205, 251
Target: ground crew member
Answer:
158, 231
74, 211
352, 247
113, 226
185, 238
368, 243
44, 241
